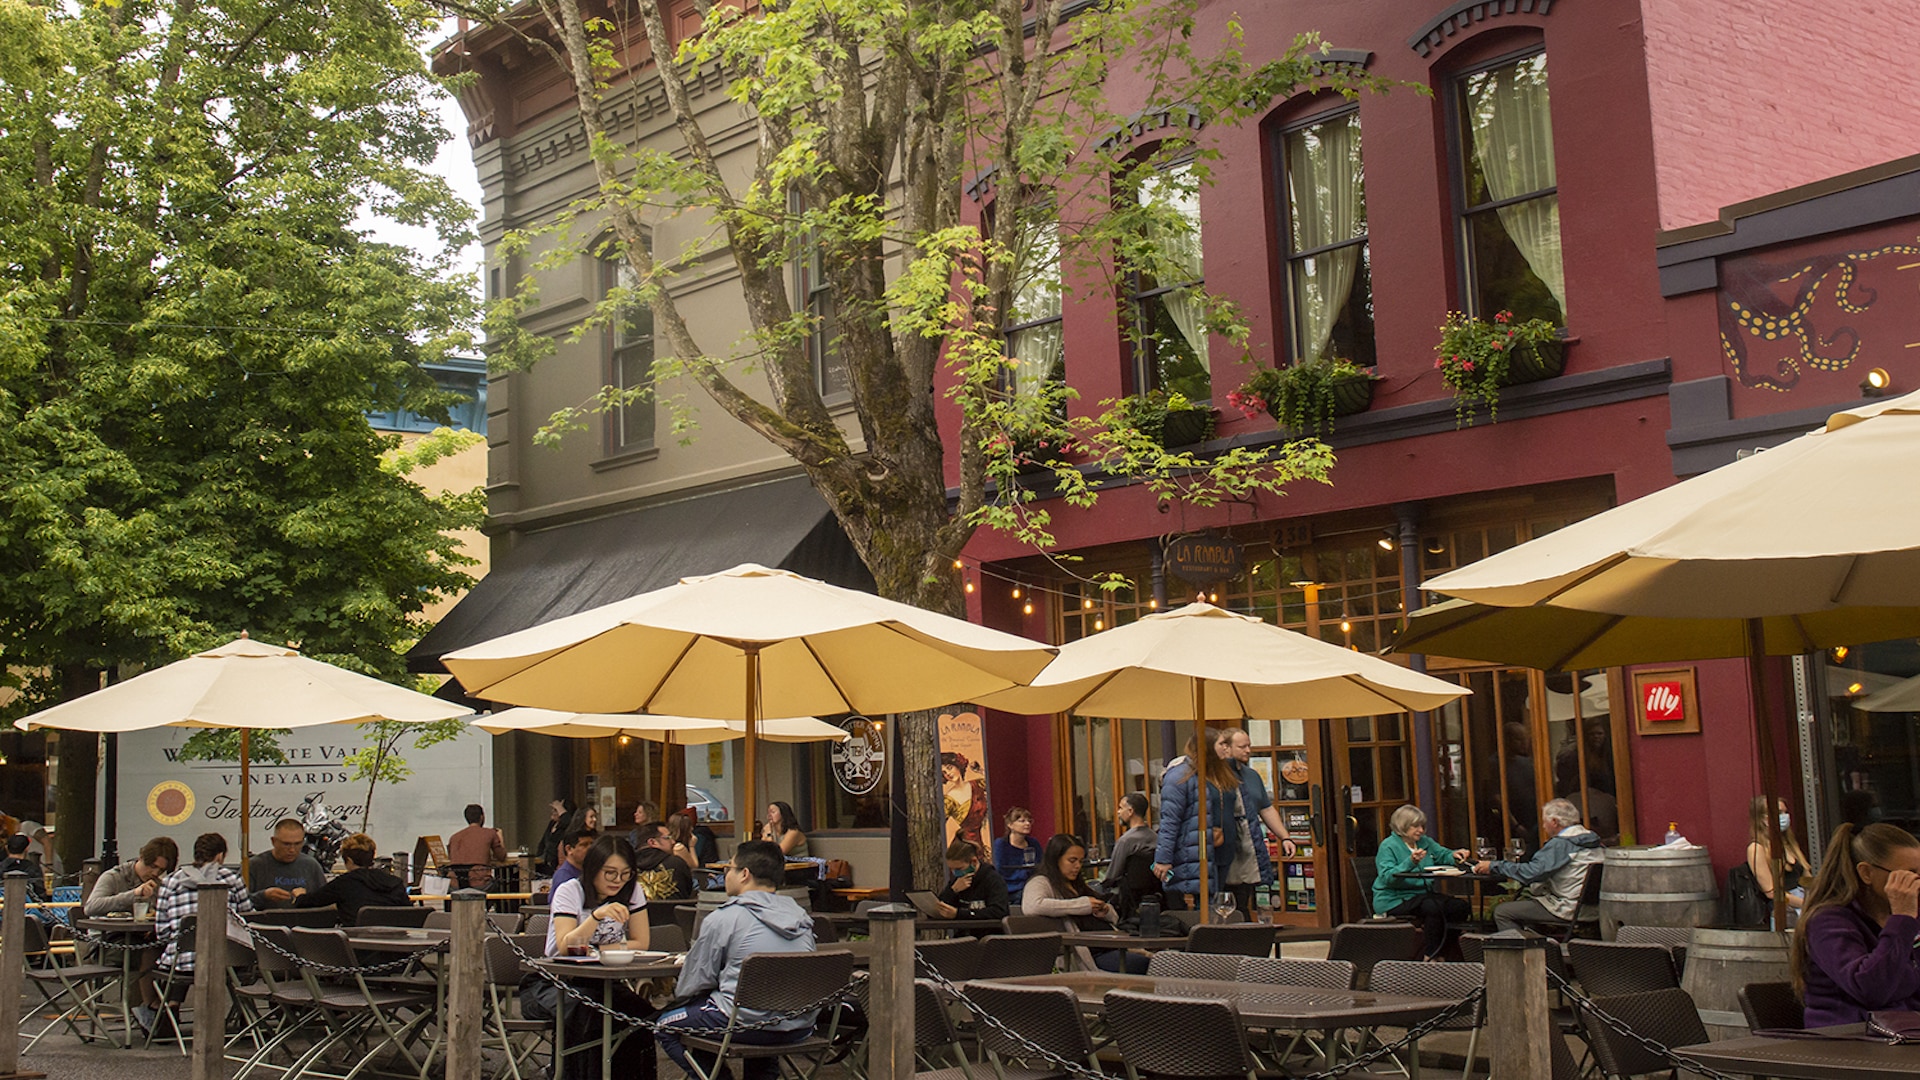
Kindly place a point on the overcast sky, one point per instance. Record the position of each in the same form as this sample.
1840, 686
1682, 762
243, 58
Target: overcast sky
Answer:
456, 164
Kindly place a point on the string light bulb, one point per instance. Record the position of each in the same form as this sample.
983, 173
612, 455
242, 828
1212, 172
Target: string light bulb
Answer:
1346, 627
1086, 604
1016, 592
1213, 598
1099, 624
957, 564
1153, 604
969, 586
1027, 609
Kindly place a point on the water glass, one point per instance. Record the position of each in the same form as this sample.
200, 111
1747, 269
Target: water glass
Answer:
1516, 851
1484, 850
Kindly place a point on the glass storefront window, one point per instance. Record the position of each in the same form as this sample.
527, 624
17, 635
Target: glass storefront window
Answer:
1873, 698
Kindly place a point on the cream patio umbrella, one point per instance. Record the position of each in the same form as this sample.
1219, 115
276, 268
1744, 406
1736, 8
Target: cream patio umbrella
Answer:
670, 730
1805, 546
744, 642
1203, 663
243, 684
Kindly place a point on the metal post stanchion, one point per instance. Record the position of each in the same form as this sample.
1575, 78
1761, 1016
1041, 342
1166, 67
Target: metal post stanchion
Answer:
210, 983
13, 967
1519, 1024
466, 980
890, 994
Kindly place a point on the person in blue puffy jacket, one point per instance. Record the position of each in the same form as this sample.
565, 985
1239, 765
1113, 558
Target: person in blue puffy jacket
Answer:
1176, 858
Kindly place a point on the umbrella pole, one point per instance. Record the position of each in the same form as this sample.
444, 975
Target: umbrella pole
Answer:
752, 747
246, 804
666, 749
1200, 750
1769, 766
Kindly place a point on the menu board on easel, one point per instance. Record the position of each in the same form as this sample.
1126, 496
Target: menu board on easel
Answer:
428, 852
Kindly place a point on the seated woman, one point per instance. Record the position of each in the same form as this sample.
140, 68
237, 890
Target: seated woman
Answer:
1855, 949
1056, 891
601, 907
783, 828
360, 886
1410, 848
1793, 868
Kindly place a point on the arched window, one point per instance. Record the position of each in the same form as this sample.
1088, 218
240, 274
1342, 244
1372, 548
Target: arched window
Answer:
1169, 308
630, 425
1329, 281
1506, 195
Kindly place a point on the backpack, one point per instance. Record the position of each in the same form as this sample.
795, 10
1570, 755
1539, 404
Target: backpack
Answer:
1746, 904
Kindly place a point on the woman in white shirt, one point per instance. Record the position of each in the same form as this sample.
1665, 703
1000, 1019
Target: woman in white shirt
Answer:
1056, 891
601, 907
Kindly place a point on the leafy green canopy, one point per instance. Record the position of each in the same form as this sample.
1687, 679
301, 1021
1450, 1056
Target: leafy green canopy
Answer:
864, 123
192, 331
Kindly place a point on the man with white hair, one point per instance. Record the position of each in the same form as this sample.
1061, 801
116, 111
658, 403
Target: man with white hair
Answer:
1556, 874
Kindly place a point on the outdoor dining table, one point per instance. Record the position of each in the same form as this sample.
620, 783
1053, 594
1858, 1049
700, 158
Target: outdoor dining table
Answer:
125, 929
1465, 877
1263, 1006
1808, 1059
388, 939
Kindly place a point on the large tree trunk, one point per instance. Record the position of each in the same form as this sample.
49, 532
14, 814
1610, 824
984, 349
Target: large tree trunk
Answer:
926, 819
78, 777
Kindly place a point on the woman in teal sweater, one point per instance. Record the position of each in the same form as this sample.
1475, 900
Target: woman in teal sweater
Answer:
1411, 849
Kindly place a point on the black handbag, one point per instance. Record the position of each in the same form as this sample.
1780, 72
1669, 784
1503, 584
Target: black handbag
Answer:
1746, 904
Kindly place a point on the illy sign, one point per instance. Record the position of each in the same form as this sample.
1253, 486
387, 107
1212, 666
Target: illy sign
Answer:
1663, 701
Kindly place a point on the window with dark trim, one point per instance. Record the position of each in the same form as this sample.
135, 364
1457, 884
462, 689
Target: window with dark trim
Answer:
1329, 283
1506, 193
1169, 306
630, 425
1032, 326
810, 288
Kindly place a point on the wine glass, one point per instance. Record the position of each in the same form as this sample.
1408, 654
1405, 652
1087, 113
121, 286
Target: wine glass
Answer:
1516, 851
1223, 905
1484, 850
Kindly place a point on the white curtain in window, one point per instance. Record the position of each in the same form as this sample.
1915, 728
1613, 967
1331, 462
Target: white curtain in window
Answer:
1036, 295
1180, 248
1513, 145
1328, 205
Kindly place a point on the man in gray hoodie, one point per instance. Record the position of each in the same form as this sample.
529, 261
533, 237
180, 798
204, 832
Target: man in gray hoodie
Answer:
756, 919
1556, 874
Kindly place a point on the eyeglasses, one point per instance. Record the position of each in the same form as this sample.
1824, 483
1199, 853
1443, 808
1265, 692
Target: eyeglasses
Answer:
616, 875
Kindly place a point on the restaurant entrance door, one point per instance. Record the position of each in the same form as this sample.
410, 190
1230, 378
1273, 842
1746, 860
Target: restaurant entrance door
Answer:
1335, 783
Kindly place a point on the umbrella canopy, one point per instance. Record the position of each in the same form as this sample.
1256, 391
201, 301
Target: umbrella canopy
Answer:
243, 684
1903, 696
1801, 547
1202, 663
745, 642
675, 730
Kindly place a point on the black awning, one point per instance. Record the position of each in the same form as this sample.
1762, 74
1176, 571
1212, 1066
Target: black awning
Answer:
571, 568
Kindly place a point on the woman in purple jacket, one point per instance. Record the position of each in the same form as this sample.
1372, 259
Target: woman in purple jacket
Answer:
1855, 952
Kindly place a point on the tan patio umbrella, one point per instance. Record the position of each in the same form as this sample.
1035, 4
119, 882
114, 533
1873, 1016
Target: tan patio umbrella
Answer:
1903, 696
744, 642
670, 730
1805, 546
243, 684
1202, 663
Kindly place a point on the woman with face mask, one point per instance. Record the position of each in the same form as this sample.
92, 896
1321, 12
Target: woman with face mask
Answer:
974, 889
1854, 952
1761, 863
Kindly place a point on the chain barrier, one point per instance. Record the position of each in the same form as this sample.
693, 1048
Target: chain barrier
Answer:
1585, 1006
773, 1020
122, 942
400, 964
1084, 1072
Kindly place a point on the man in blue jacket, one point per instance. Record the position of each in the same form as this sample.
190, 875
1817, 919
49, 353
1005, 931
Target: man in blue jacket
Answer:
757, 919
1556, 874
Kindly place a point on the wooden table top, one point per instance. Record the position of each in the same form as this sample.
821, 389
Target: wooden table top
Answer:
407, 941
1261, 1005
116, 926
1118, 939
1808, 1059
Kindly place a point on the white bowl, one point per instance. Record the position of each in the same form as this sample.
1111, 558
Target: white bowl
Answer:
616, 957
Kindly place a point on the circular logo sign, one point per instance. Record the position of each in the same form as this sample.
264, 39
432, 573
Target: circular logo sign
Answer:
1294, 771
170, 802
860, 759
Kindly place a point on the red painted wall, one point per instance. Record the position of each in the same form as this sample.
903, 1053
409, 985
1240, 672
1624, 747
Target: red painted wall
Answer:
1751, 97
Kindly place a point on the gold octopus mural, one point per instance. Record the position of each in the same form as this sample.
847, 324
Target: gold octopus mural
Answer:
1753, 313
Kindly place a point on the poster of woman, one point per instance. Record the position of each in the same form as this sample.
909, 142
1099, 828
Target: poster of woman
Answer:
963, 776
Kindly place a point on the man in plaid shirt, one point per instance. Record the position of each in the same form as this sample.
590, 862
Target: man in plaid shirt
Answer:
180, 897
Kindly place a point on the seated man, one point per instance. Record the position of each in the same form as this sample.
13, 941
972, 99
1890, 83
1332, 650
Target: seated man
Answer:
974, 890
284, 872
477, 848
573, 853
662, 874
179, 898
1556, 873
17, 860
136, 879
756, 919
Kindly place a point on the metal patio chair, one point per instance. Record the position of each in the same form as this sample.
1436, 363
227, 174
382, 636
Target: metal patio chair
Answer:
1668, 1017
1366, 944
356, 1012
778, 982
1613, 968
1009, 956
1416, 978
1238, 939
1176, 964
411, 916
1048, 1017
76, 989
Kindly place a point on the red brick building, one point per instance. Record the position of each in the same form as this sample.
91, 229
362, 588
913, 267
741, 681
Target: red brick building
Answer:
1726, 234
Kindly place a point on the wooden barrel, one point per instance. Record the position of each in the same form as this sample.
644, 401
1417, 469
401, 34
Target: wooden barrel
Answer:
1647, 886
1720, 961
